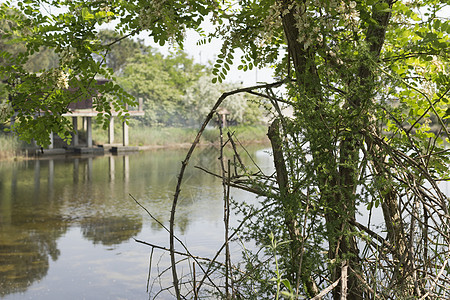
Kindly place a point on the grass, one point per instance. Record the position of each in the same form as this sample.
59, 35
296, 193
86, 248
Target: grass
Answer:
9, 145
168, 136
163, 136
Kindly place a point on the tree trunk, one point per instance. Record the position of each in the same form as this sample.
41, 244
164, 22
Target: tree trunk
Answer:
290, 207
339, 207
338, 179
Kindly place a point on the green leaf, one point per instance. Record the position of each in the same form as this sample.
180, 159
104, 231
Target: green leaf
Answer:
86, 14
288, 294
437, 24
287, 284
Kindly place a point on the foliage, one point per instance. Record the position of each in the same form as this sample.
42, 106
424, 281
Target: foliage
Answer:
161, 82
201, 96
118, 49
40, 100
5, 108
11, 44
177, 92
365, 79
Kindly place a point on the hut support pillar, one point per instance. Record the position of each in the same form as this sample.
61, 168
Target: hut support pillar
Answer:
89, 131
84, 121
125, 133
75, 131
51, 141
111, 131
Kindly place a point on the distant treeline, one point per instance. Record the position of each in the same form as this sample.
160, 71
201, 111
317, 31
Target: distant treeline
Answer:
176, 91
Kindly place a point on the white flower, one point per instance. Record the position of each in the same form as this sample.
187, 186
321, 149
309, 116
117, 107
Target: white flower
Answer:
62, 80
352, 4
307, 43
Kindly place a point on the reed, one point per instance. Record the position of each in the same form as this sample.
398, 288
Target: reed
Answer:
9, 146
173, 136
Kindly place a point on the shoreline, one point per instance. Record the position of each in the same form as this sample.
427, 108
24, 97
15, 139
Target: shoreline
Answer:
144, 139
102, 150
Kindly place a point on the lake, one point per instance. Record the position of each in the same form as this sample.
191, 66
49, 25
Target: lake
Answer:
67, 224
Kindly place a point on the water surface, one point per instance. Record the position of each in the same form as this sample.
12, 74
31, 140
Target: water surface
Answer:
67, 225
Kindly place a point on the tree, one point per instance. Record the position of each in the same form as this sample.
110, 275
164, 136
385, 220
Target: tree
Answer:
118, 49
177, 91
363, 78
11, 44
11, 47
346, 148
202, 94
39, 100
161, 82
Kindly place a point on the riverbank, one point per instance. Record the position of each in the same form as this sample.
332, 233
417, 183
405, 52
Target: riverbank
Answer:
141, 139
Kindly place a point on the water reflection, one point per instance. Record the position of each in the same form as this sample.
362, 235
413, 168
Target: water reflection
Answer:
46, 197
45, 205
25, 252
110, 230
27, 236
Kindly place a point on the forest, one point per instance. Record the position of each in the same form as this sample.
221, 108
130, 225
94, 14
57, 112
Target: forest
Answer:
366, 80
